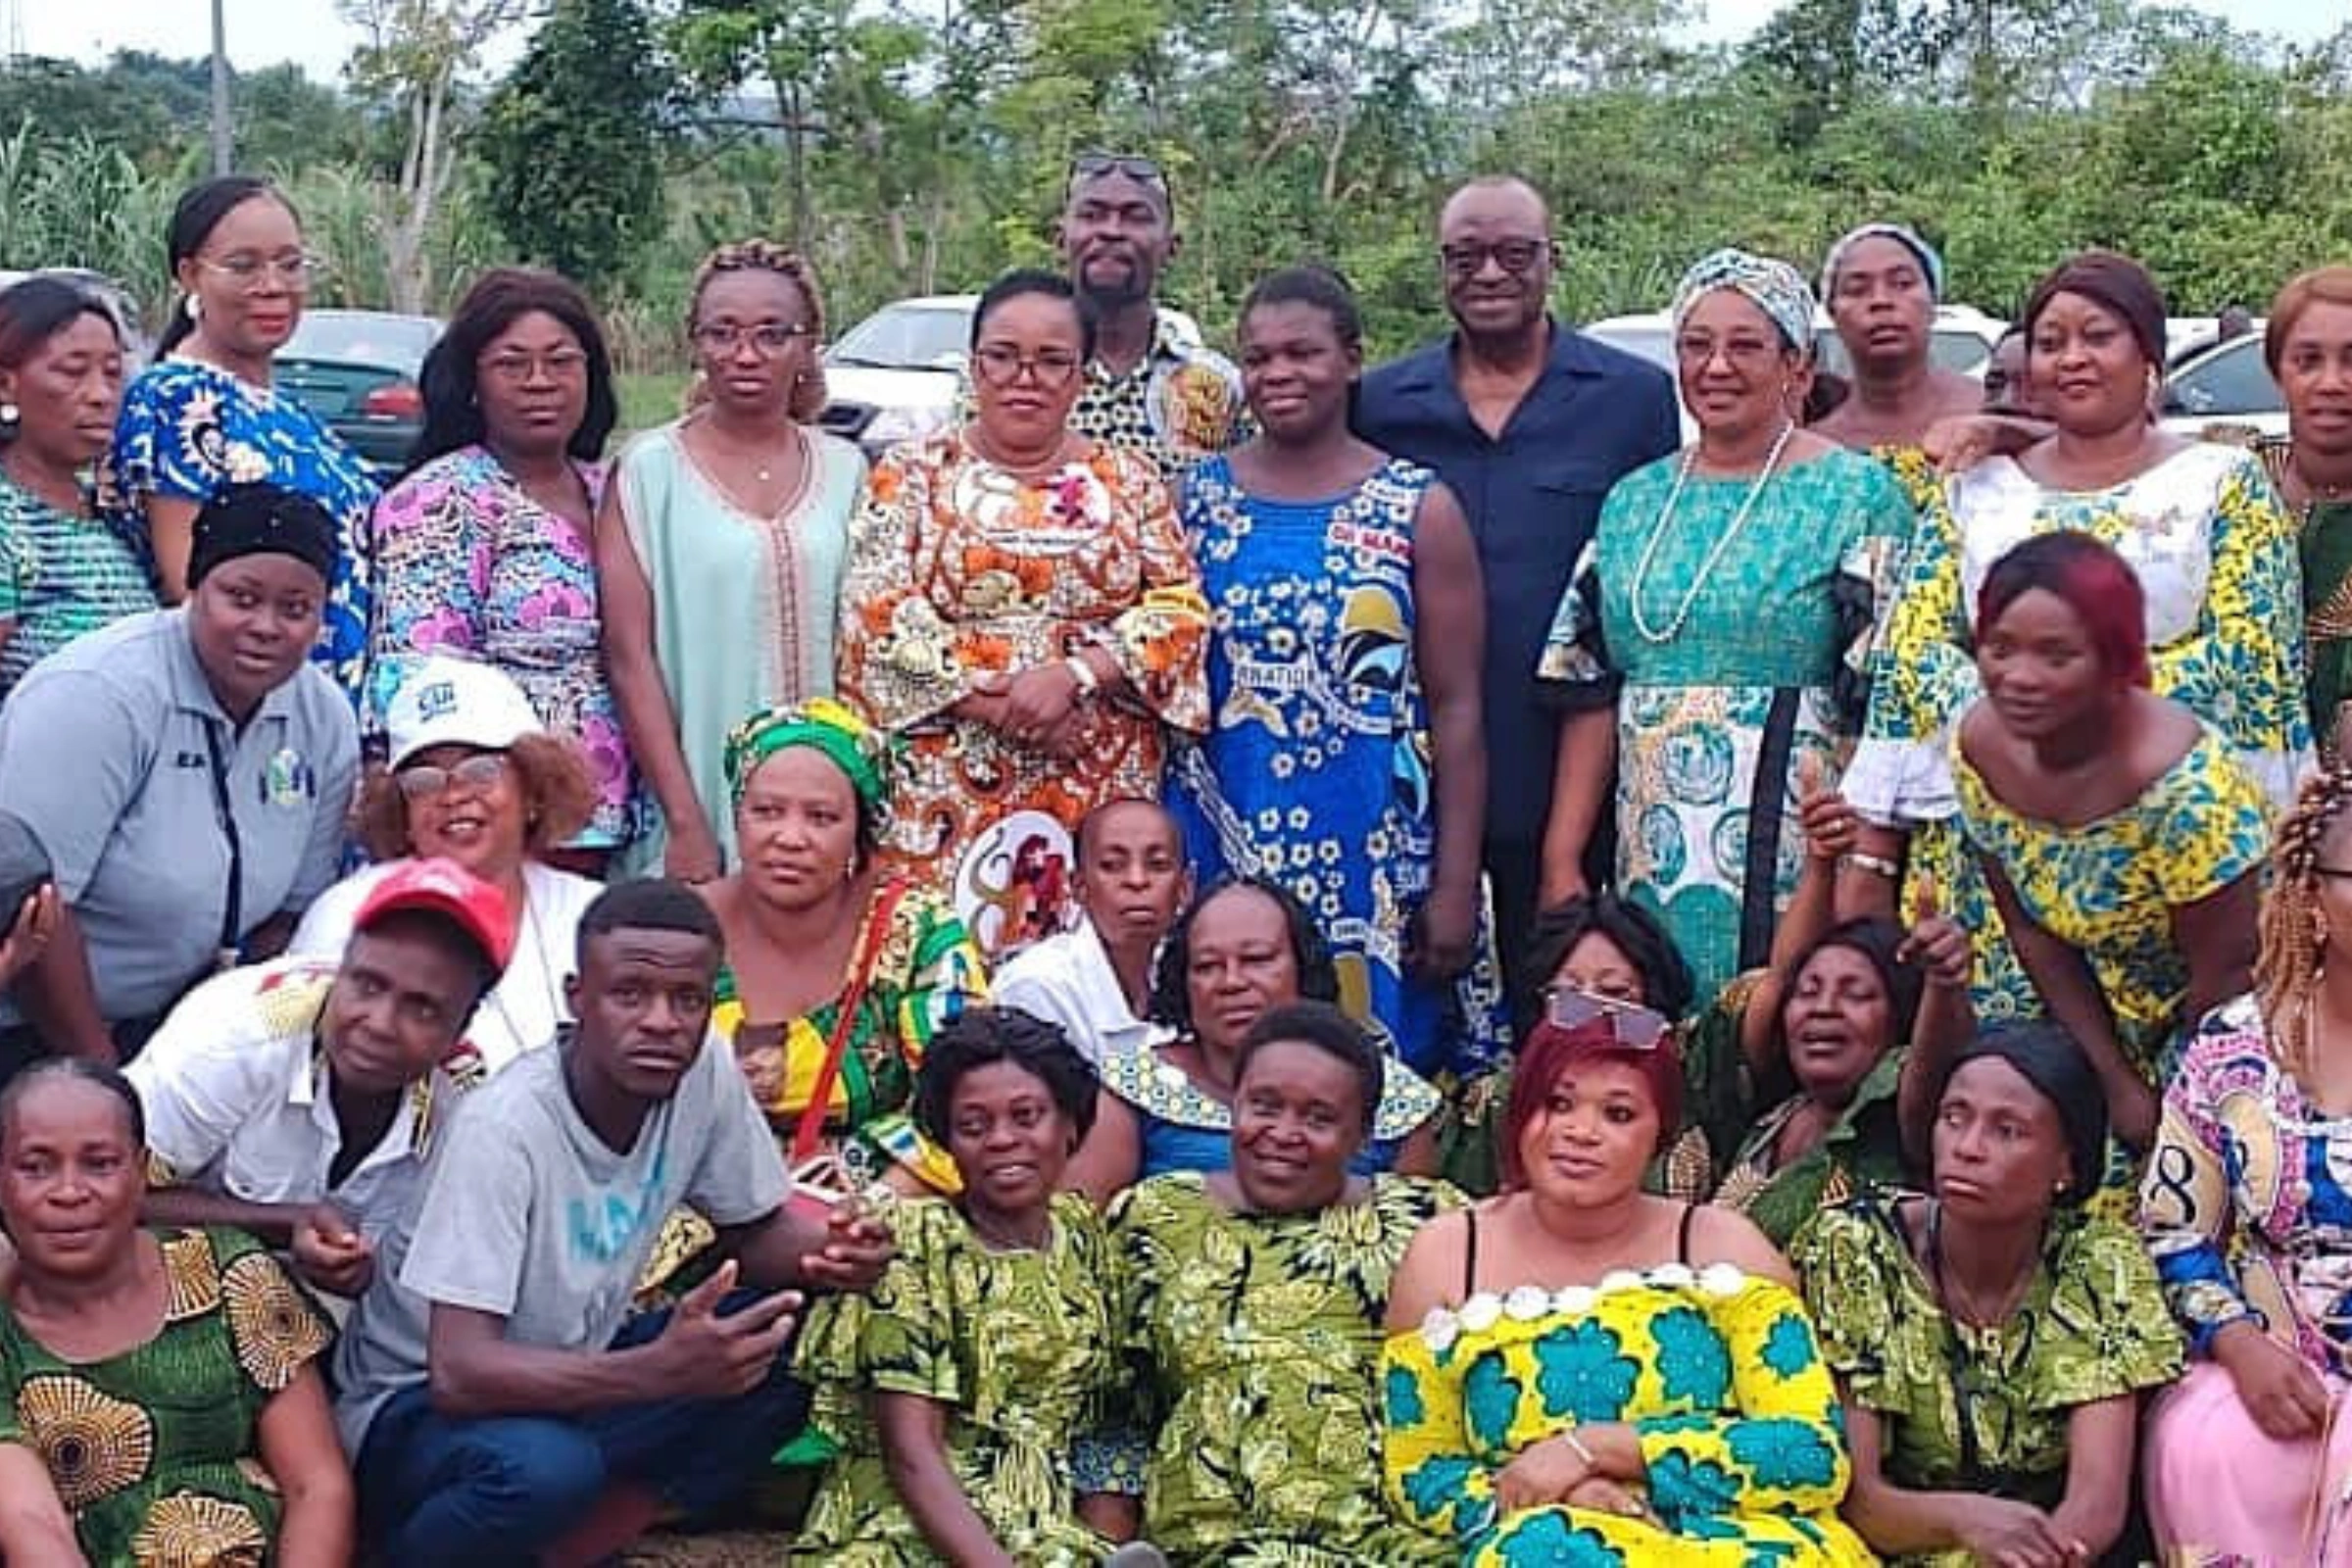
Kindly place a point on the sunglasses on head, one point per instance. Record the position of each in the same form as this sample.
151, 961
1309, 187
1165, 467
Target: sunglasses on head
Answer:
1093, 165
1633, 1027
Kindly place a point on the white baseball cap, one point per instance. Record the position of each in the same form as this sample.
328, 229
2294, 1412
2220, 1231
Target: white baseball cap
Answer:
456, 702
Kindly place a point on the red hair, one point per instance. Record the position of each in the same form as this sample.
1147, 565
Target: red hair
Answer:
2096, 584
1551, 1051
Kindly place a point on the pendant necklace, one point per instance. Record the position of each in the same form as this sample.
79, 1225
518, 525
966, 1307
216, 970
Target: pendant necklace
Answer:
1706, 570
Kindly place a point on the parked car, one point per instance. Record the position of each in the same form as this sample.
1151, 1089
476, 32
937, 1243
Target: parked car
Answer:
357, 370
894, 376
1962, 339
2225, 392
137, 347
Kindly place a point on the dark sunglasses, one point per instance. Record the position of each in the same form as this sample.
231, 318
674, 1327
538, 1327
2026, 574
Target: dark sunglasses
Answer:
1634, 1027
1095, 165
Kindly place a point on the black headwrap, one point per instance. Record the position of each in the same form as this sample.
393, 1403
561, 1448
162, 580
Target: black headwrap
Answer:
254, 519
2046, 1057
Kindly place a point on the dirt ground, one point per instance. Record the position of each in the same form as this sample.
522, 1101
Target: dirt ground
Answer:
722, 1548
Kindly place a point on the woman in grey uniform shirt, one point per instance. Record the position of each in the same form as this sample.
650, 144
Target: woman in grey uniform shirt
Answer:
189, 775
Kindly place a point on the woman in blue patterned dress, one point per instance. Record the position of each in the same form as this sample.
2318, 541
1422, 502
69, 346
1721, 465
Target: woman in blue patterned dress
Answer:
1345, 759
1715, 631
204, 417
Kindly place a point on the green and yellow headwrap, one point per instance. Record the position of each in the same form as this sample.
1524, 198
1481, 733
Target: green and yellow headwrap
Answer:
857, 748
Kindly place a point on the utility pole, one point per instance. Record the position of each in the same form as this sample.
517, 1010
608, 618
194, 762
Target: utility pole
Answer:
224, 149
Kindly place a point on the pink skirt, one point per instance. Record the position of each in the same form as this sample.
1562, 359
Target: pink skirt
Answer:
2223, 1493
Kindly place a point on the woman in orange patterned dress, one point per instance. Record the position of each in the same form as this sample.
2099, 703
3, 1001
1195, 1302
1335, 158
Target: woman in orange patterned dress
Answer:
1022, 606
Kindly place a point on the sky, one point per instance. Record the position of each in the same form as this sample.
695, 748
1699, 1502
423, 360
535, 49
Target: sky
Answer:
310, 33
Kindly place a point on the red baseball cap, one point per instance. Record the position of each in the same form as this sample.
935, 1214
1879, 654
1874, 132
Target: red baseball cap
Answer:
443, 888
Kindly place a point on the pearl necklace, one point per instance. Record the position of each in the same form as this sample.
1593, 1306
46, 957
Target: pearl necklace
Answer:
1706, 570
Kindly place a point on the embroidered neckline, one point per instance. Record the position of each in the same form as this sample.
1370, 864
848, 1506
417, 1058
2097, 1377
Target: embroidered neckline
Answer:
1526, 1304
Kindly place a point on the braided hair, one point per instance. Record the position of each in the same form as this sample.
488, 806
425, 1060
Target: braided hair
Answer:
766, 255
2287, 970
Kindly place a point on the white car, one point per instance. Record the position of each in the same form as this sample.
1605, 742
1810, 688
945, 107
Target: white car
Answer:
1962, 339
2223, 393
894, 376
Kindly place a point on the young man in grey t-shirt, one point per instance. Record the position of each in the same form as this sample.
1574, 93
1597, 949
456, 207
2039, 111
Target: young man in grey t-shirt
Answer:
498, 1400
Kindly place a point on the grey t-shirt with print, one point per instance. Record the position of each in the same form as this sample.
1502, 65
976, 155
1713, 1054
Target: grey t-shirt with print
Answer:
525, 1213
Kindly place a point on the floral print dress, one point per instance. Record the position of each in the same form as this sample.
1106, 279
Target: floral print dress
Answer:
2108, 888
1018, 1347
2215, 555
468, 564
959, 570
189, 431
1251, 1341
1318, 772
1716, 1370
1982, 1409
1726, 657
155, 1451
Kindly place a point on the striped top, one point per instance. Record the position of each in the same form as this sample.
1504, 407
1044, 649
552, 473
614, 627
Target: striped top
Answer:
60, 576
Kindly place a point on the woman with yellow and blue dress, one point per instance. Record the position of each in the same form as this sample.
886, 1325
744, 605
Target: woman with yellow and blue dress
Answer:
2118, 835
1716, 631
1580, 1372
1345, 759
2200, 527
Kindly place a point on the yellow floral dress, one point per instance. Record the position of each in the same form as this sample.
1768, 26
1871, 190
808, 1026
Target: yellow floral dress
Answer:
960, 571
1019, 1349
2216, 555
2108, 888
1716, 1370
155, 1451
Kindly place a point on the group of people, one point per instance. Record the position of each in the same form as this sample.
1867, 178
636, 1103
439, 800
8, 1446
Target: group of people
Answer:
1216, 962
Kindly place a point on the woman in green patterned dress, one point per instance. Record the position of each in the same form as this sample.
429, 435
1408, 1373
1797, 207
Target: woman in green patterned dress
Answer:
1991, 1340
1716, 630
159, 1405
1250, 1318
956, 1390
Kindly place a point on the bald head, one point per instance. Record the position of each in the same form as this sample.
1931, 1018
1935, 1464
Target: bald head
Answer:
1494, 244
1495, 199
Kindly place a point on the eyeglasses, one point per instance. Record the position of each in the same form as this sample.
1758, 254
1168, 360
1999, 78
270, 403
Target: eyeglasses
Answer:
1516, 256
2335, 873
425, 781
770, 338
1001, 364
251, 273
1633, 1027
1095, 165
516, 370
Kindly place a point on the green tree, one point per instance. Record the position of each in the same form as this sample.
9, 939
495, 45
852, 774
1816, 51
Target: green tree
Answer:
573, 140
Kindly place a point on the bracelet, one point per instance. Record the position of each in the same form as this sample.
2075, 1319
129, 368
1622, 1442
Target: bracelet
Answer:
1874, 864
1089, 683
1568, 1436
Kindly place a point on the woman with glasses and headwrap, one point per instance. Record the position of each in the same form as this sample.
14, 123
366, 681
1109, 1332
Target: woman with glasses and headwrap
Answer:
1022, 610
1713, 636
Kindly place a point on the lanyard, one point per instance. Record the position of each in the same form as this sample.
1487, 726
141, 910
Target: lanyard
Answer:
225, 811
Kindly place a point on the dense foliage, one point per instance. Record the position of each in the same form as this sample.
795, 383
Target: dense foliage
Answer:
919, 145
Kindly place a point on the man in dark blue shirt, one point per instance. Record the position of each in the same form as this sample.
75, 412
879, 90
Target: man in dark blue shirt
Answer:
1530, 422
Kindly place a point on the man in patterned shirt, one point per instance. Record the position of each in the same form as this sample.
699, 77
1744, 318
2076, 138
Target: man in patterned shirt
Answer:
1148, 388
